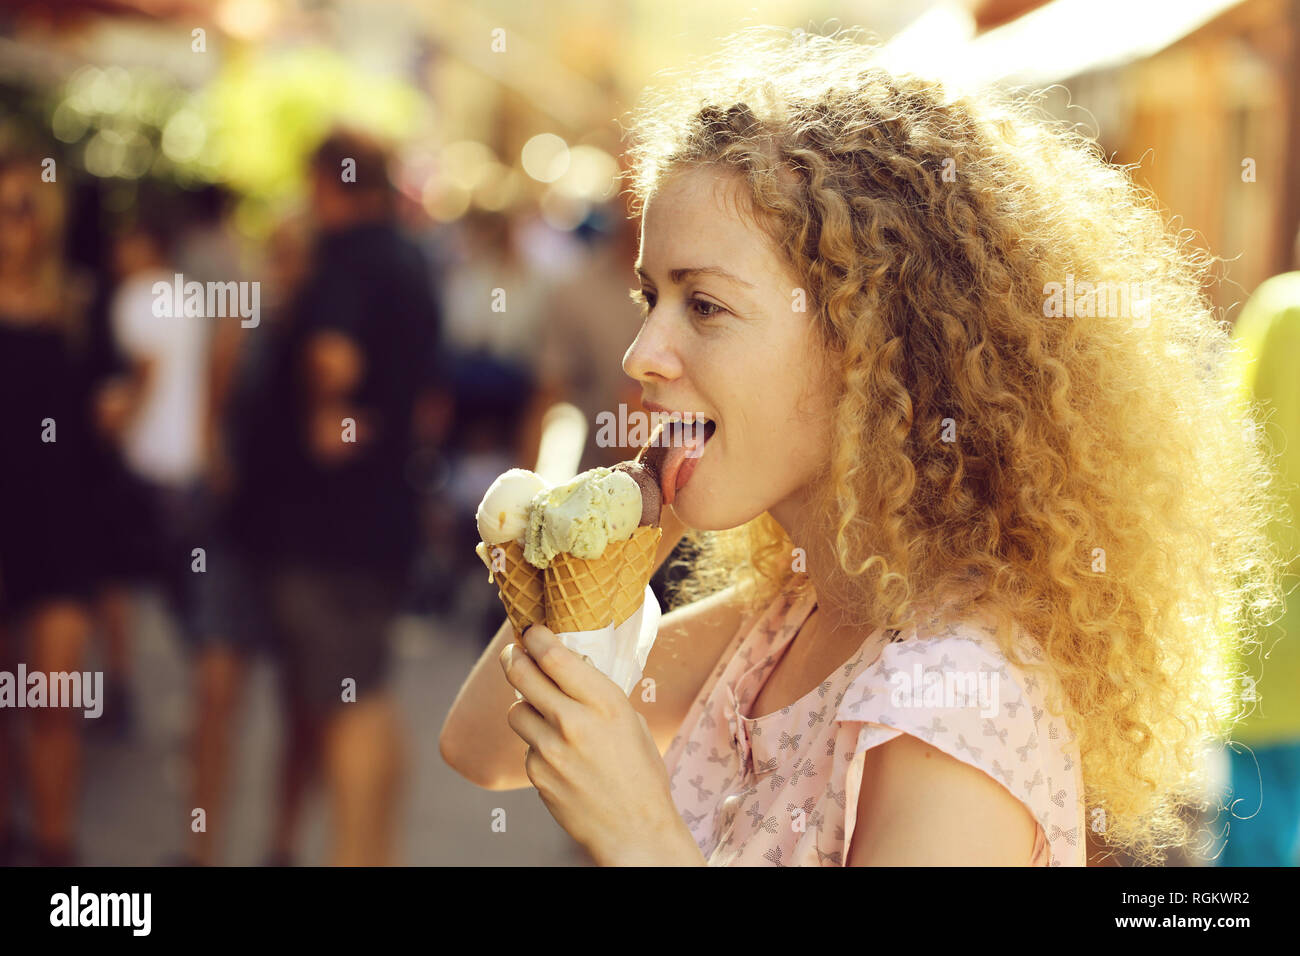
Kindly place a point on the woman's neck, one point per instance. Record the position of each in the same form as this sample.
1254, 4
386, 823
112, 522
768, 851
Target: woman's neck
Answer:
830, 619
834, 621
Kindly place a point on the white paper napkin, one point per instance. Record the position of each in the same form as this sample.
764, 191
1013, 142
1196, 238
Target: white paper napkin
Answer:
619, 652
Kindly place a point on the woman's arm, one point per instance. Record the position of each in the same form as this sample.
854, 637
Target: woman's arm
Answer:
477, 742
921, 807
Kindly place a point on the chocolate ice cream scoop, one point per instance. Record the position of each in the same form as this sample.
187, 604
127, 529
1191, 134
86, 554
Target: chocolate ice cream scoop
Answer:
654, 451
648, 481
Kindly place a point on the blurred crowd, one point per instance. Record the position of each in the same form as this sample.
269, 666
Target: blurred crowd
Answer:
290, 472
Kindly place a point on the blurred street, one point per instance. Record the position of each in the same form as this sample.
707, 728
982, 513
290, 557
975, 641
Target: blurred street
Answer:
133, 811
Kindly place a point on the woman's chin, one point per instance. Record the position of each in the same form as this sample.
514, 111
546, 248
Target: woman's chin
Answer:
703, 509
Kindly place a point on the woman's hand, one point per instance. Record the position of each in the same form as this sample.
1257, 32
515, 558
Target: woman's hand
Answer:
592, 759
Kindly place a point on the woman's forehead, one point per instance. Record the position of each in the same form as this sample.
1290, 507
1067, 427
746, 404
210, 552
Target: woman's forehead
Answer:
698, 188
695, 225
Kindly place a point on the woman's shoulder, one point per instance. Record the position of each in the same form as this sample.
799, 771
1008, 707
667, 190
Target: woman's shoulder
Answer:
957, 663
950, 684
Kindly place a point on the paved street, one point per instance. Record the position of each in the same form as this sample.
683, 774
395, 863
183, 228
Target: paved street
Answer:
135, 812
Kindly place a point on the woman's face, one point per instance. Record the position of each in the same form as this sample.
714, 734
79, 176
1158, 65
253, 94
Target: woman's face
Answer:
736, 350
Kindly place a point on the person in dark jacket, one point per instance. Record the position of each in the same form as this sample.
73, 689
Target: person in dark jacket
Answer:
324, 497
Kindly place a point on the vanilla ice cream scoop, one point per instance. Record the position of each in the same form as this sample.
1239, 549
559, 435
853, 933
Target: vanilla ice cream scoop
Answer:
503, 512
582, 516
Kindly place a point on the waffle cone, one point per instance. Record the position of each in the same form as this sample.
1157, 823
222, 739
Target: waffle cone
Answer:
519, 584
585, 595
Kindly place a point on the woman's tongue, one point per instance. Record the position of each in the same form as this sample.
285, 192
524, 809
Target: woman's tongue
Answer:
686, 444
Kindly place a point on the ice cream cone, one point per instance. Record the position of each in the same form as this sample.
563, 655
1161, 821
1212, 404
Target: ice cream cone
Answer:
518, 583
585, 595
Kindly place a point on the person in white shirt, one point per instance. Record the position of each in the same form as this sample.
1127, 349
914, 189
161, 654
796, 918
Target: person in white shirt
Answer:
162, 442
163, 435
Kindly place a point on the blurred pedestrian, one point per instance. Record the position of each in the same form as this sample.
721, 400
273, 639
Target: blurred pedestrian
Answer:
164, 410
45, 548
340, 518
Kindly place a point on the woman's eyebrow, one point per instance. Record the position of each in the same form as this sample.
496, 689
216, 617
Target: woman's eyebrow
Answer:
678, 276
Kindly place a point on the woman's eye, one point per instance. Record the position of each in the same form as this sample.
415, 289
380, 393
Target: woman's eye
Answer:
717, 309
705, 310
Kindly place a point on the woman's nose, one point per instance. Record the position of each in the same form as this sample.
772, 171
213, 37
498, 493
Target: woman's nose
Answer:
651, 356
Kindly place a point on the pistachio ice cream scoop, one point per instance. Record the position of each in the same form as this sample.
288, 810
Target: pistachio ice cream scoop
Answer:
582, 516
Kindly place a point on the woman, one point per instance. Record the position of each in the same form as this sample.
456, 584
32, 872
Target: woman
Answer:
46, 539
967, 558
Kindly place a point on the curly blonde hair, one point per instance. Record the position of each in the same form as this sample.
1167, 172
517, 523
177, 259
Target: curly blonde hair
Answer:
1094, 474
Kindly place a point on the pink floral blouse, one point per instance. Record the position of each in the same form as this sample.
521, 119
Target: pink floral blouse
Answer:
782, 789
